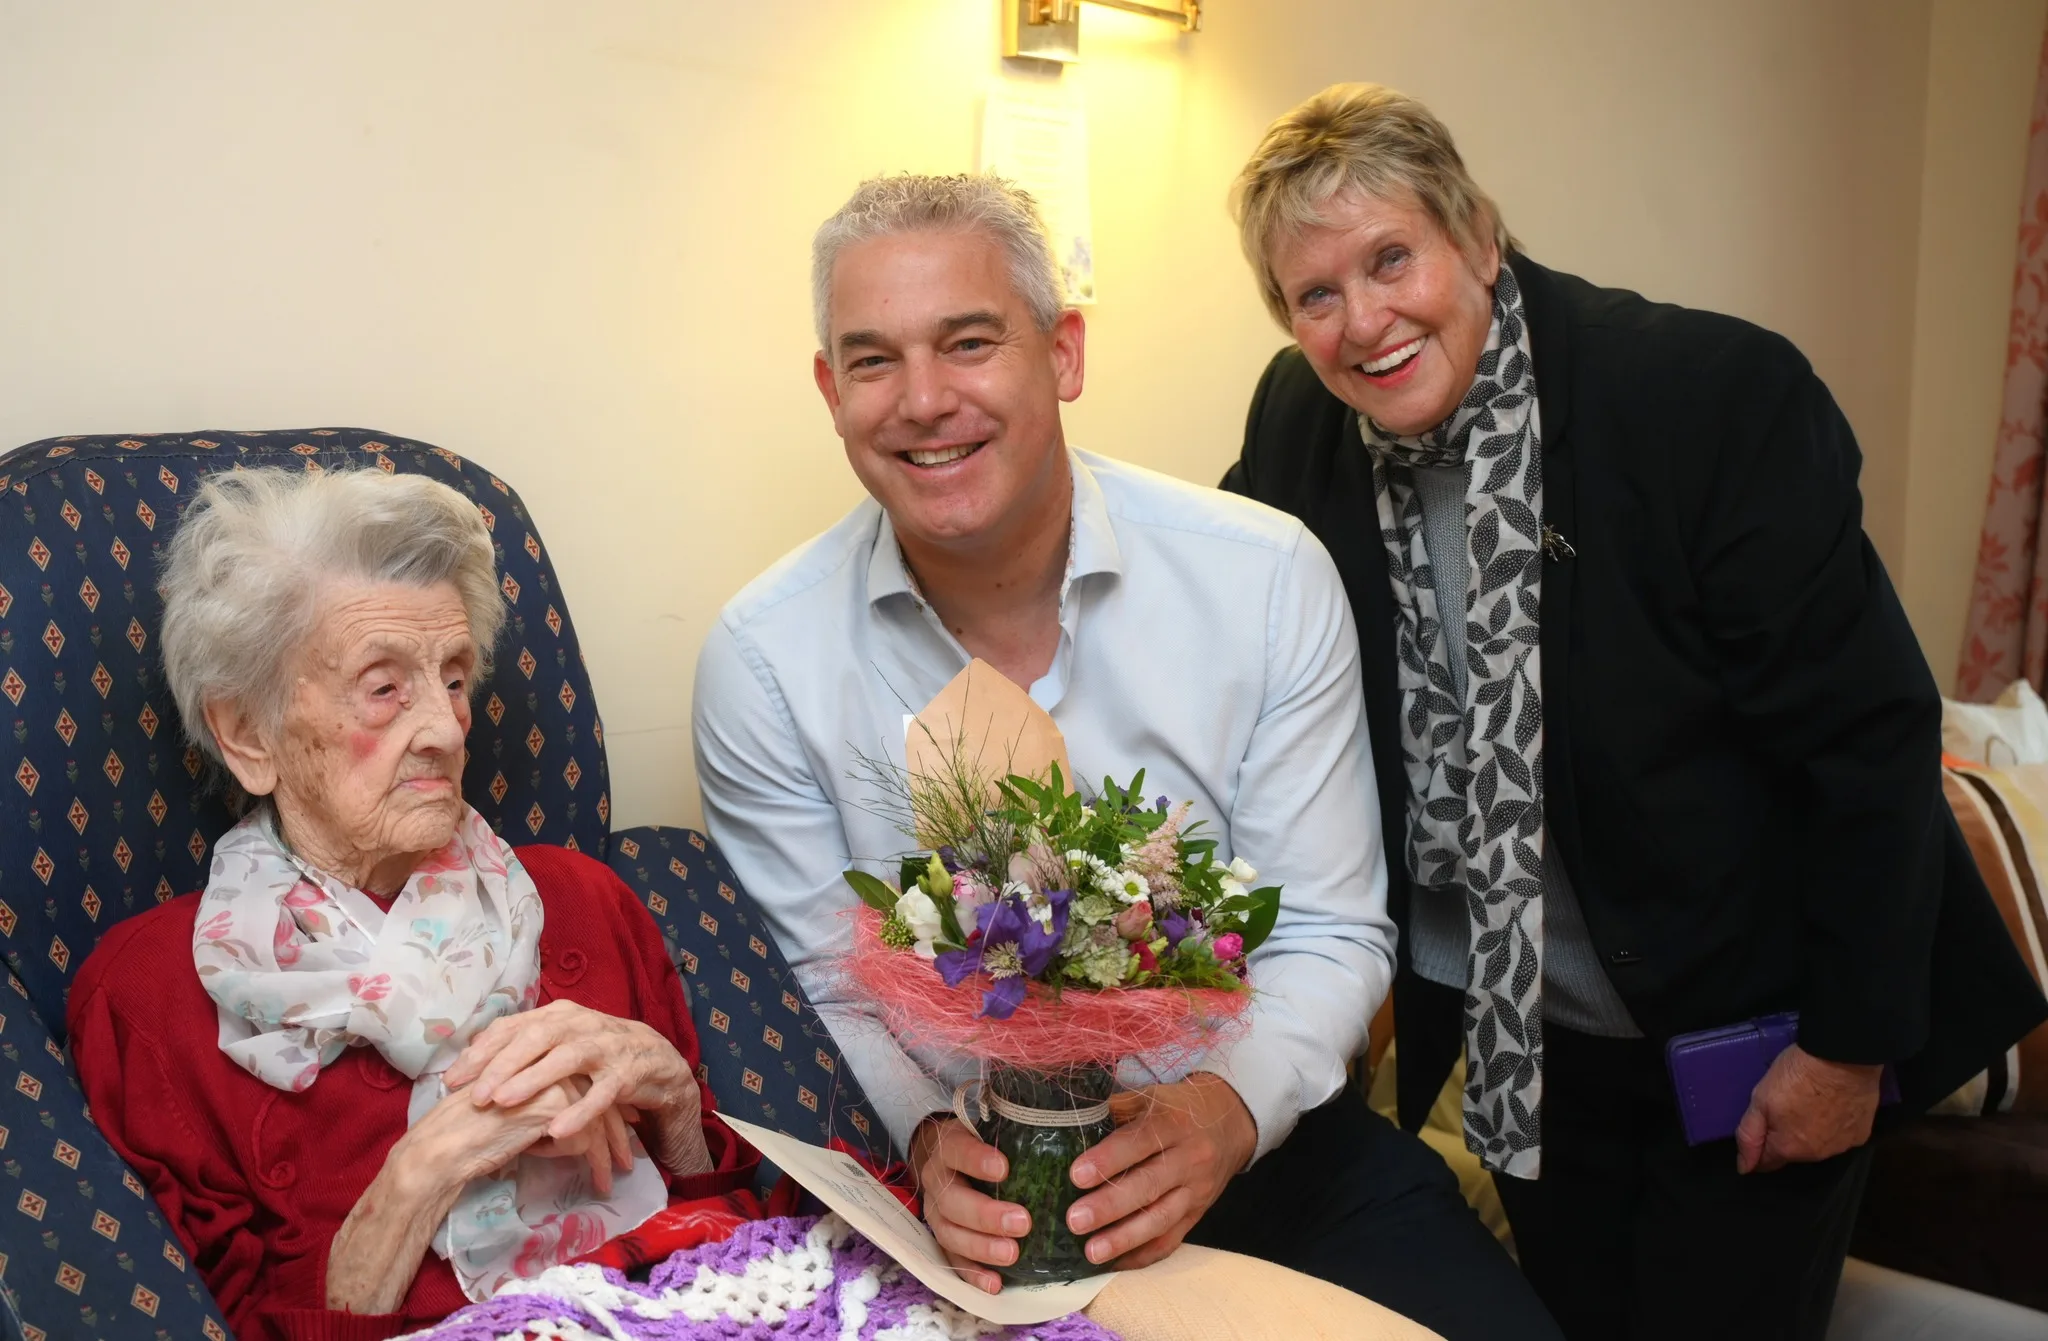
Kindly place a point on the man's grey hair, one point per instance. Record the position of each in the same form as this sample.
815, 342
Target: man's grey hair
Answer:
884, 206
246, 576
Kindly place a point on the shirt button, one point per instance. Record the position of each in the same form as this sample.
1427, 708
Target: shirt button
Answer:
1624, 957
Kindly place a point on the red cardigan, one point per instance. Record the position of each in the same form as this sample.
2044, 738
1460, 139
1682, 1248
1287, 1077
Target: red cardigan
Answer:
256, 1180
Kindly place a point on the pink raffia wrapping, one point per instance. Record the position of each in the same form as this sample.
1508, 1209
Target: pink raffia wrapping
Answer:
1162, 1026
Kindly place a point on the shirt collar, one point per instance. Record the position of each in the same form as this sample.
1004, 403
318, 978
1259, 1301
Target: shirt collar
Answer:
1092, 546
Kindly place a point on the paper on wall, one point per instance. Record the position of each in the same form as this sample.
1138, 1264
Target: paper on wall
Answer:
1039, 140
840, 1182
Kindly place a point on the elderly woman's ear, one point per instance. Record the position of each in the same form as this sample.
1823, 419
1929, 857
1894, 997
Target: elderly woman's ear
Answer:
243, 748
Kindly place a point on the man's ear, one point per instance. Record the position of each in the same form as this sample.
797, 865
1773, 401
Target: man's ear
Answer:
242, 747
1069, 353
828, 384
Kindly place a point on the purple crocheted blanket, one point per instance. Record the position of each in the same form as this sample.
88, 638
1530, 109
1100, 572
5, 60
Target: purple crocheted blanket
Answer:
774, 1280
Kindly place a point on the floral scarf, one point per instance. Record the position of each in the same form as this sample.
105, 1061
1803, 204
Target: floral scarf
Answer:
1475, 769
301, 966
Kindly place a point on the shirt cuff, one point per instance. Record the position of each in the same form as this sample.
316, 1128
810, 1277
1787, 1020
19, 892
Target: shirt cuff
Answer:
1266, 1081
902, 1110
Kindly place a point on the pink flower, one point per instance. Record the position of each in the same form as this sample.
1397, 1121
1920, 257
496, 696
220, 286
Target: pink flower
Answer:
369, 988
281, 944
1132, 921
557, 1239
1229, 946
970, 891
305, 894
219, 925
1039, 867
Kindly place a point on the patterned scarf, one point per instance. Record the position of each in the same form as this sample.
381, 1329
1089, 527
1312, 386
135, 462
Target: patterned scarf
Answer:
301, 966
1475, 769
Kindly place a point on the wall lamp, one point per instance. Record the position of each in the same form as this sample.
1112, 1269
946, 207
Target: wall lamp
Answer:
1050, 30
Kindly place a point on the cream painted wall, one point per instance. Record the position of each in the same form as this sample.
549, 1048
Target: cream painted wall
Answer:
570, 240
1980, 87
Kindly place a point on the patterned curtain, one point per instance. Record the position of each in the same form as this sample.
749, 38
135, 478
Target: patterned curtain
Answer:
2007, 634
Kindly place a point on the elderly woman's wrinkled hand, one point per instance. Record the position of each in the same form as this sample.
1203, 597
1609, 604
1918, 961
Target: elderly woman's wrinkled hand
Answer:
626, 1063
475, 1142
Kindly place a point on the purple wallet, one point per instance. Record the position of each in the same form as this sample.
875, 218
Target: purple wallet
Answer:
1715, 1070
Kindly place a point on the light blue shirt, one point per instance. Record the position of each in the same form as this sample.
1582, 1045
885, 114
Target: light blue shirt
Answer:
1204, 638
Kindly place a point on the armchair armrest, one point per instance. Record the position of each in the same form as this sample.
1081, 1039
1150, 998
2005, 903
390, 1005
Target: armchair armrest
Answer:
767, 1057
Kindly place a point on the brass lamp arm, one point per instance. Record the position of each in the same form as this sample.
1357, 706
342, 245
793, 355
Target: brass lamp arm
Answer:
1188, 13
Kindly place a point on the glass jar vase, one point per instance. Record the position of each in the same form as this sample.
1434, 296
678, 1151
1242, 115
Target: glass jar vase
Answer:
1042, 1121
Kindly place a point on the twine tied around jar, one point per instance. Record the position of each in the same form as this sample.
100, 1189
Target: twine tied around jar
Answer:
985, 1100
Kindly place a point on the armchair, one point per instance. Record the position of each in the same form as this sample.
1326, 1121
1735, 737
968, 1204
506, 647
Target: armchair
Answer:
108, 811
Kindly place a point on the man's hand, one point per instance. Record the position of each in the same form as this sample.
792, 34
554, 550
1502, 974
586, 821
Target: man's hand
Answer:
975, 1230
1179, 1146
1805, 1109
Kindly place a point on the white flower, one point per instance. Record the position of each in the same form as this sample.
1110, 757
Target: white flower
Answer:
1036, 905
917, 911
1131, 887
1238, 878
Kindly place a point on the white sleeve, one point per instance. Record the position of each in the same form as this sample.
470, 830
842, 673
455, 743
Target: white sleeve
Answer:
782, 836
1307, 816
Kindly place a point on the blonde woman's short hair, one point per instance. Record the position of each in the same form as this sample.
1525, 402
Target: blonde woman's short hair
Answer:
1355, 137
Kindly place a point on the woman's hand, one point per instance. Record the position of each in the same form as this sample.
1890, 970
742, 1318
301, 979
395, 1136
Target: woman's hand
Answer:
1806, 1109
626, 1063
974, 1229
378, 1250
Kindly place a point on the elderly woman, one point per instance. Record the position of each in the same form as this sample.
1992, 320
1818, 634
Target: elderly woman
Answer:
1652, 733
383, 1063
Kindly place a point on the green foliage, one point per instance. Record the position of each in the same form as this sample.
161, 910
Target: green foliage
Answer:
874, 892
1125, 892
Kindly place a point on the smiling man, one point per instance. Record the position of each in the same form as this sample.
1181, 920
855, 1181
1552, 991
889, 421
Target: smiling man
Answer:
1197, 635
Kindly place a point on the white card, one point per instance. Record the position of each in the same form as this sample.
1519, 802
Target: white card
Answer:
840, 1182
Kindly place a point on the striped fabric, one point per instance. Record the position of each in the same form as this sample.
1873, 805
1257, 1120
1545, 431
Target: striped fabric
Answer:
2004, 816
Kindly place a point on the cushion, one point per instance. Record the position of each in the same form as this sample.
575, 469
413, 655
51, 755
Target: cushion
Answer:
766, 1056
1202, 1294
84, 1252
2012, 729
2003, 813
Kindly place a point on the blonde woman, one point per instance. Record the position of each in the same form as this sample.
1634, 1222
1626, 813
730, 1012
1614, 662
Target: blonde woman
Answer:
1656, 748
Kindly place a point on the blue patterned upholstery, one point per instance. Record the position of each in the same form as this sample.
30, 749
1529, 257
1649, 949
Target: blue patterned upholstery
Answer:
766, 1055
114, 814
108, 812
84, 1252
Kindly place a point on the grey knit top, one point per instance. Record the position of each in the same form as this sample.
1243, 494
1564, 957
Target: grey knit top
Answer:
1576, 991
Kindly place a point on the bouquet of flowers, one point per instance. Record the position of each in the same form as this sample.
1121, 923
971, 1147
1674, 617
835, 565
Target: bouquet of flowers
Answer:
1045, 888
1049, 936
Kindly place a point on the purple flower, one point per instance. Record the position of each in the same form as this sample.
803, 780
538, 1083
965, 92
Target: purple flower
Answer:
951, 860
1010, 945
1175, 927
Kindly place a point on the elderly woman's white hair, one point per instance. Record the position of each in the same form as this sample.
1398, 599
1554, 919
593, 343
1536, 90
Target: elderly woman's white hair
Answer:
244, 579
965, 202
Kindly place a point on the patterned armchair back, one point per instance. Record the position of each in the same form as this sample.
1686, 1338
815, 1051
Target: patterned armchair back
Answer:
108, 809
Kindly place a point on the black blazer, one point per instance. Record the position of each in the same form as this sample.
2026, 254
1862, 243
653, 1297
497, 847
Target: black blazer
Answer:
1741, 733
